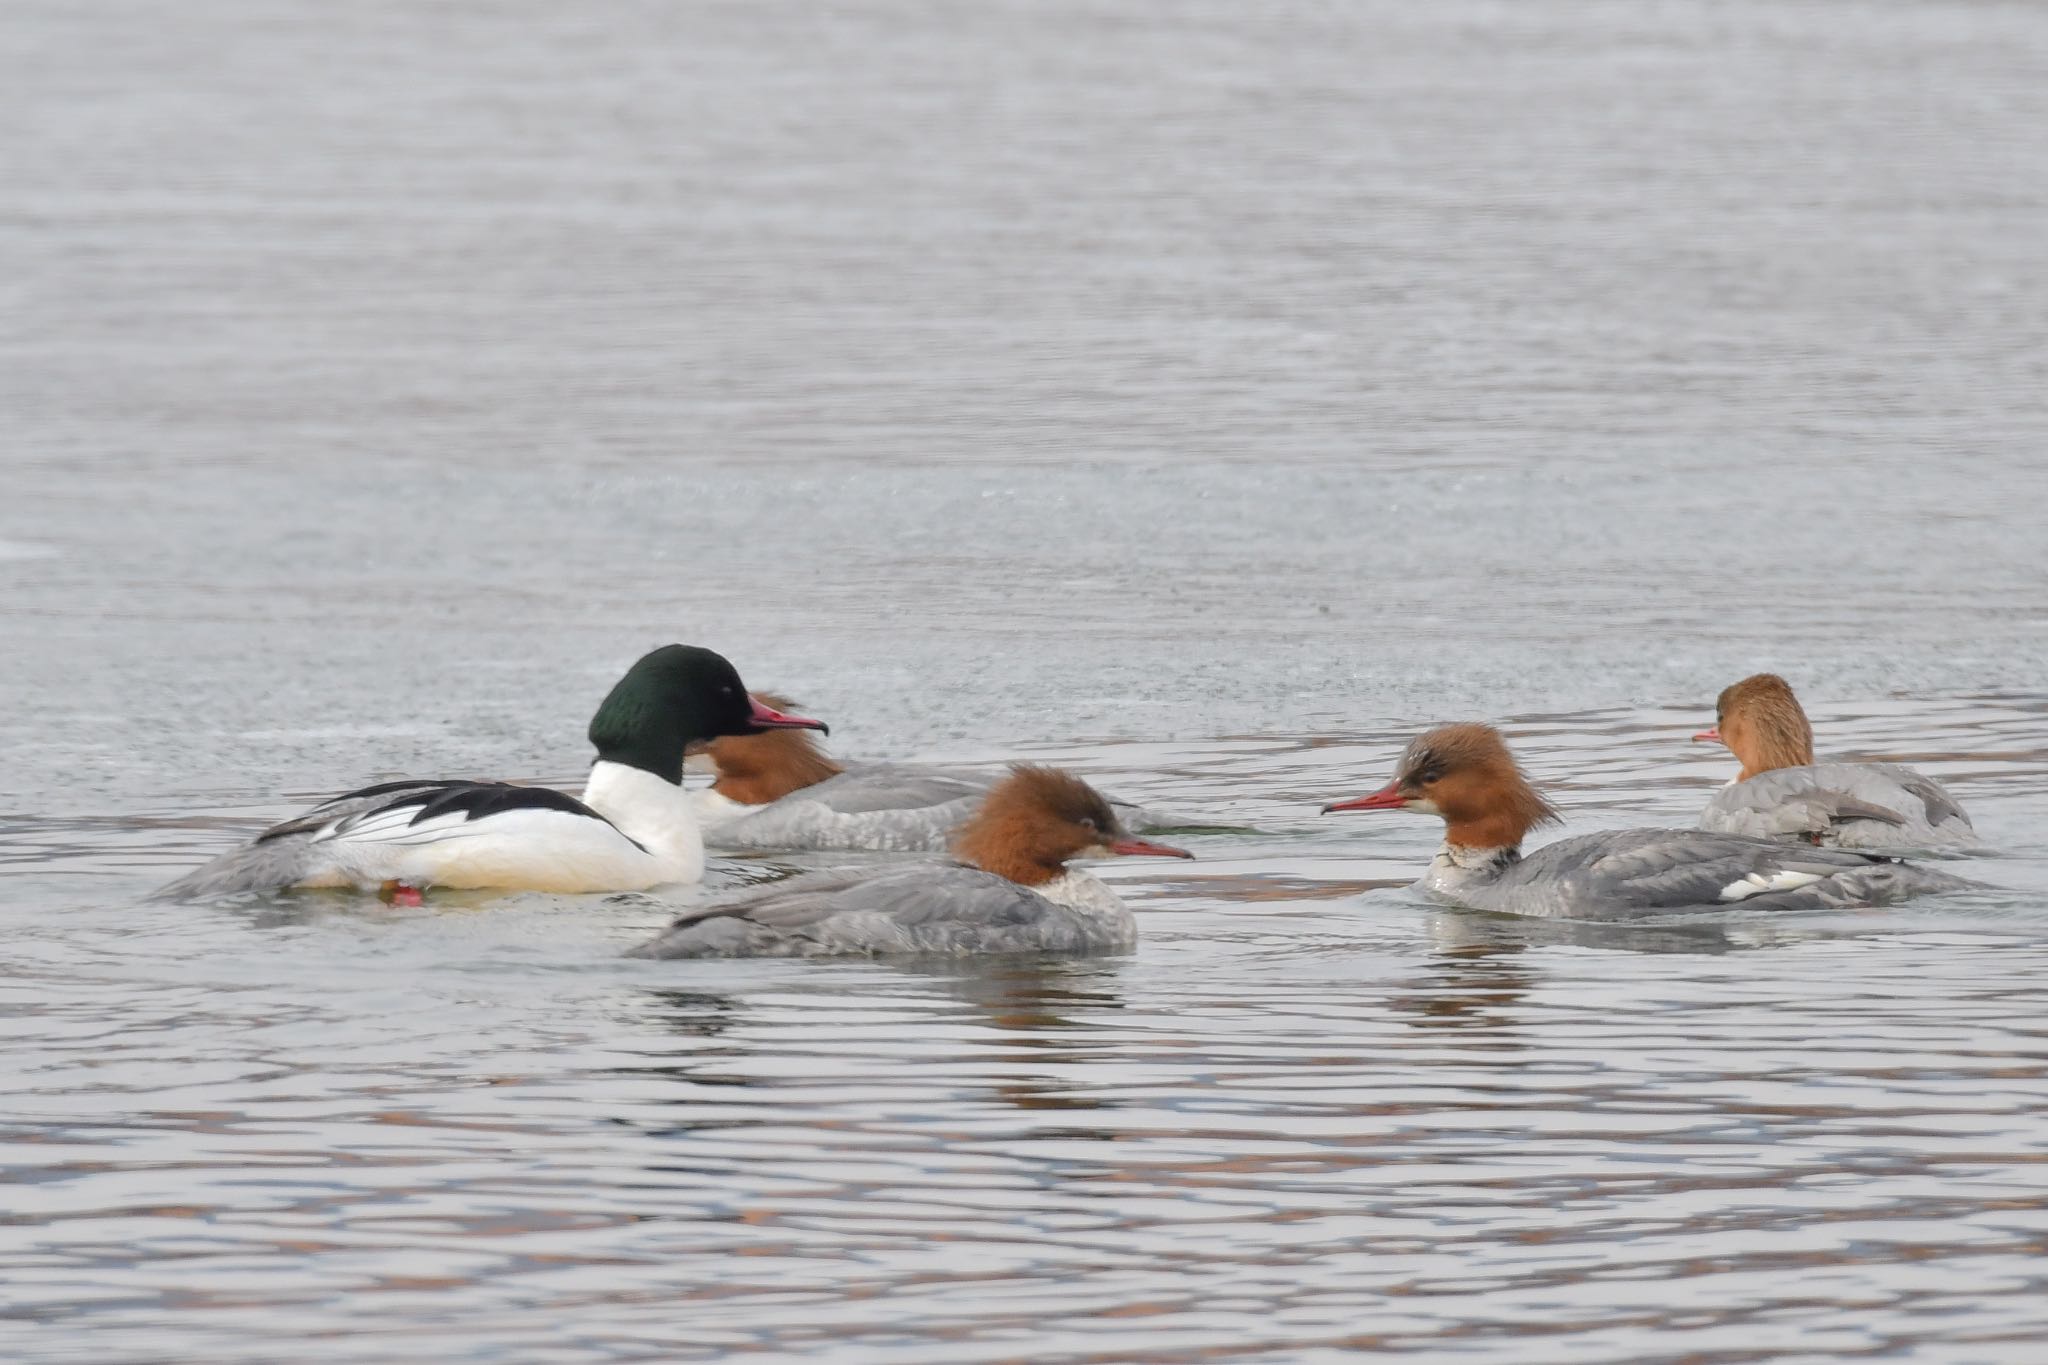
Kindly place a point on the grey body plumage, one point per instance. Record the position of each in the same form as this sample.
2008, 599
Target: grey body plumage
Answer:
1632, 873
942, 910
1880, 807
872, 807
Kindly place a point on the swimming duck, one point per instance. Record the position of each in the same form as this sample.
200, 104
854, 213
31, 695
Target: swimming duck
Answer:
1781, 793
1010, 890
632, 829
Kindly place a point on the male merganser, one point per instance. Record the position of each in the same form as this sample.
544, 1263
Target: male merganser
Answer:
1010, 891
1465, 774
1781, 793
632, 830
780, 790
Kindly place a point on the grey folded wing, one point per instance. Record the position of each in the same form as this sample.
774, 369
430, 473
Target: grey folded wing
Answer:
910, 786
895, 786
1878, 806
931, 908
1802, 812
881, 807
1646, 871
1941, 809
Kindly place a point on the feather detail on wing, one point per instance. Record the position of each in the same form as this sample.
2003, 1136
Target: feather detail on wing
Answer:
439, 832
880, 807
1655, 868
1881, 807
942, 908
1647, 871
893, 786
424, 813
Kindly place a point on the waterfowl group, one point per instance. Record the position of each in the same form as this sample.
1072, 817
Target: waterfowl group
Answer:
1787, 834
1465, 775
1010, 890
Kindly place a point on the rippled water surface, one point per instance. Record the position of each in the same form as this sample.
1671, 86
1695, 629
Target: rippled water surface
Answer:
1206, 397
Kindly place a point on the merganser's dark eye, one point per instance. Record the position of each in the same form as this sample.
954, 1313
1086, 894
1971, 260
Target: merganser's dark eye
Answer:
1088, 823
1428, 775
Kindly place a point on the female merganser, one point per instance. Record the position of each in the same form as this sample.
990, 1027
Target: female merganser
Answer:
1010, 892
632, 830
780, 790
1781, 793
1465, 774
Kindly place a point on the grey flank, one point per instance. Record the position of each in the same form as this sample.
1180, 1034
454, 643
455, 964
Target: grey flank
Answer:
1618, 874
946, 910
1879, 807
879, 807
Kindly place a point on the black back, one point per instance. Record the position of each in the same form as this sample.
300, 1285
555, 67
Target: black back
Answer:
432, 799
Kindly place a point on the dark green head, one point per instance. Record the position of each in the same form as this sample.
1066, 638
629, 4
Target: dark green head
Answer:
673, 697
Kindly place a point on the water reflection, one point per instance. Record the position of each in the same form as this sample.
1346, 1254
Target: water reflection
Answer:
694, 1014
1470, 986
1038, 998
1039, 1008
1024, 1024
1473, 931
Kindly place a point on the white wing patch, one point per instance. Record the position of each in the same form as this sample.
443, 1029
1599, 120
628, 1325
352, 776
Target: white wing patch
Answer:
1757, 883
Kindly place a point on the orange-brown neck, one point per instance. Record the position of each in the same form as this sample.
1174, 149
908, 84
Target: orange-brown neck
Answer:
756, 769
1010, 843
1500, 830
1768, 736
1490, 806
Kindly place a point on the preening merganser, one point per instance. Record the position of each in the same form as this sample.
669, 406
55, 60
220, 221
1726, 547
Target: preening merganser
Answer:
633, 828
1010, 891
1465, 775
1781, 793
780, 790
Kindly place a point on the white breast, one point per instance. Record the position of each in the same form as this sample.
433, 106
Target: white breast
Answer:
1078, 890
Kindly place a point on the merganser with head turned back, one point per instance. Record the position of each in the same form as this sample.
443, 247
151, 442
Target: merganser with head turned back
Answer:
1010, 892
632, 830
780, 790
1781, 793
1465, 774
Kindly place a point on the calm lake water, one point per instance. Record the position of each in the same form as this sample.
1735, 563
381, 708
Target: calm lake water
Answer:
1206, 397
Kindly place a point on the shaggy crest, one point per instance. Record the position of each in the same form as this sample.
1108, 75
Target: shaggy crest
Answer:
1032, 821
1467, 773
1763, 725
756, 769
